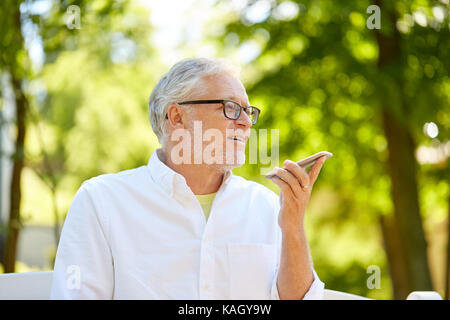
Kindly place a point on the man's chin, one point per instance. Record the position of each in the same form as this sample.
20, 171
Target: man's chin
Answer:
229, 164
239, 160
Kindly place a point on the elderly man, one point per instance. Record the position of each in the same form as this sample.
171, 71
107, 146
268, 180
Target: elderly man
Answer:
189, 228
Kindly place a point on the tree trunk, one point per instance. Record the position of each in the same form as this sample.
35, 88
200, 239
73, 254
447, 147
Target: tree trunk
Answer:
447, 269
17, 74
395, 254
402, 166
14, 223
402, 169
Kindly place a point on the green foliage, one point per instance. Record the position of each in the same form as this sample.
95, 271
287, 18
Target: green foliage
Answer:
88, 113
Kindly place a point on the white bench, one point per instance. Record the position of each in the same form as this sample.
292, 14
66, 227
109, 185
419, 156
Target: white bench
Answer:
26, 286
36, 286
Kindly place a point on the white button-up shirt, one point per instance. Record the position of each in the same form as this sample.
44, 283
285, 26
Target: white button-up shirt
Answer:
142, 234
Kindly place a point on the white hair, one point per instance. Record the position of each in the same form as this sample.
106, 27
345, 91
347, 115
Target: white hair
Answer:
178, 83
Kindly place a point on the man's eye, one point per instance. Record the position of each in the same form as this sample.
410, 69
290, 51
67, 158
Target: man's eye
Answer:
229, 106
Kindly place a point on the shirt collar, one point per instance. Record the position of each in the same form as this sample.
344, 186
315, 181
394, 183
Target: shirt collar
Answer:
168, 178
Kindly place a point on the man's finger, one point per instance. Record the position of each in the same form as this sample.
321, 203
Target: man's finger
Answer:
291, 180
315, 170
298, 172
284, 187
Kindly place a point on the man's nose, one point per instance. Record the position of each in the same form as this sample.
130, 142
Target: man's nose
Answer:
244, 120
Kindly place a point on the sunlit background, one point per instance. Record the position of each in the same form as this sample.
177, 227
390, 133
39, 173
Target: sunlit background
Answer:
377, 99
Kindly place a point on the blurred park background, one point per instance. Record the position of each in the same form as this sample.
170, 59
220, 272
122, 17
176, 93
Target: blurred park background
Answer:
74, 98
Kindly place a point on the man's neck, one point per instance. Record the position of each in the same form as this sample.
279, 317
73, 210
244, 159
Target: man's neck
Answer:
202, 179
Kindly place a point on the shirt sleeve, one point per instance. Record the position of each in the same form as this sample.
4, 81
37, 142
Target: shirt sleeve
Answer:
83, 266
316, 290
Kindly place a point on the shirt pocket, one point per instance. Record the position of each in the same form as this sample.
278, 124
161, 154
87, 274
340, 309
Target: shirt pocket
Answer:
252, 268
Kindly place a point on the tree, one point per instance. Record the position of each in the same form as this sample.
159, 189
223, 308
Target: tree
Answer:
402, 168
15, 62
106, 29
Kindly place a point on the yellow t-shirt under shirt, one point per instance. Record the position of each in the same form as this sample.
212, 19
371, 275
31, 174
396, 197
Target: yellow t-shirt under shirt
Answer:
206, 201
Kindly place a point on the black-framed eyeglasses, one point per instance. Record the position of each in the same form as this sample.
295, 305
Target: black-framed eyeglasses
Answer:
231, 109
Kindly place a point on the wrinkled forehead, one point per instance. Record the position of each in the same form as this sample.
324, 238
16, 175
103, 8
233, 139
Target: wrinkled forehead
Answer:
221, 86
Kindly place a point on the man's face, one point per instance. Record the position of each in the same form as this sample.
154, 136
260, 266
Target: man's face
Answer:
224, 139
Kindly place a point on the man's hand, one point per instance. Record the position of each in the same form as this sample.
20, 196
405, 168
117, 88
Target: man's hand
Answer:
296, 186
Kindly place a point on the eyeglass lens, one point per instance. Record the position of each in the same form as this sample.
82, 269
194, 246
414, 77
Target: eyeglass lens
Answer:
233, 111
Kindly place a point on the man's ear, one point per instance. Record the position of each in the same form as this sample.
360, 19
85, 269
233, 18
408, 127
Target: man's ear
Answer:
175, 116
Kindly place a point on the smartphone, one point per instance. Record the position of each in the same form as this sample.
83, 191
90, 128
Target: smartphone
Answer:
307, 161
